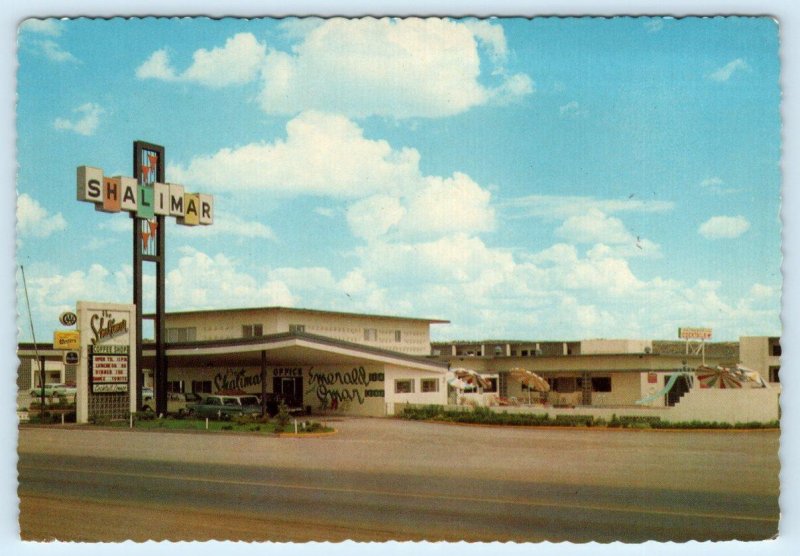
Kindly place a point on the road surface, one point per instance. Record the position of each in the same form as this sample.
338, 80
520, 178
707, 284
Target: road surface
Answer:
395, 480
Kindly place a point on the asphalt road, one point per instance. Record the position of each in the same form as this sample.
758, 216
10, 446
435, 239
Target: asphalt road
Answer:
391, 480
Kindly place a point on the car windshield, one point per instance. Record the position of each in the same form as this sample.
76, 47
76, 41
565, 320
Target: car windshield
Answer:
230, 401
249, 400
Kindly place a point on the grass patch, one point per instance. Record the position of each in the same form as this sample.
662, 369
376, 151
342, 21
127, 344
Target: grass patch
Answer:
485, 416
257, 425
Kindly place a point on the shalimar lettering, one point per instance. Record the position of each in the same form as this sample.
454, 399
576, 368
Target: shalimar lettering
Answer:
106, 330
236, 380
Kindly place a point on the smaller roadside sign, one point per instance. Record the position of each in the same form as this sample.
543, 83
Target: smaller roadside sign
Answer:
67, 339
694, 333
72, 357
68, 318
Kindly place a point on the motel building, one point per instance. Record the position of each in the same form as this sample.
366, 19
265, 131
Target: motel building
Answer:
374, 365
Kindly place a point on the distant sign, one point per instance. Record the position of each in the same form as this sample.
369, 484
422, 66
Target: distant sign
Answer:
72, 357
694, 333
67, 339
68, 318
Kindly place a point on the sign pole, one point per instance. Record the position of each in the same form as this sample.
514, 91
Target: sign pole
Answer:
148, 199
148, 168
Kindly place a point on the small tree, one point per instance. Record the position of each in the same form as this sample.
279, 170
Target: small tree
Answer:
282, 418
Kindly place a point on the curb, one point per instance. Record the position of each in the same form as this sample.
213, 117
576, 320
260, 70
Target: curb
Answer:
593, 428
73, 426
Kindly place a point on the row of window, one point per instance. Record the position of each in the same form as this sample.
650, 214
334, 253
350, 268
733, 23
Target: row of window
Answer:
569, 384
406, 385
189, 334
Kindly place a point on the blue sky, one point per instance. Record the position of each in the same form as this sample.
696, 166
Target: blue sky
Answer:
543, 179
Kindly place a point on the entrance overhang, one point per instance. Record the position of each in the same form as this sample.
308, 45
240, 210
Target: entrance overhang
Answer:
294, 348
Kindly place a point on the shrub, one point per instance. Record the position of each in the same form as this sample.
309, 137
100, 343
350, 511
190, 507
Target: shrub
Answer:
96, 419
574, 420
283, 416
636, 421
144, 416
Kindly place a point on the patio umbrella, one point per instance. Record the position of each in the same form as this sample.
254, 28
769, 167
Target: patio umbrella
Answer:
456, 382
718, 377
750, 377
529, 379
470, 377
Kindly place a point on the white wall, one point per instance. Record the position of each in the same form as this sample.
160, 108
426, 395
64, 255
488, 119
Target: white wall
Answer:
728, 405
394, 400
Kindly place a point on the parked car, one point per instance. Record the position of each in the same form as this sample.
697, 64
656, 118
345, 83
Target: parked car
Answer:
225, 407
54, 390
179, 402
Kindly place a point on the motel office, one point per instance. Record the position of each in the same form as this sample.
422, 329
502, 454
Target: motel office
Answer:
362, 364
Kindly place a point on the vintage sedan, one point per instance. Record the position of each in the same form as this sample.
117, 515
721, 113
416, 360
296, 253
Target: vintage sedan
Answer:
225, 407
63, 390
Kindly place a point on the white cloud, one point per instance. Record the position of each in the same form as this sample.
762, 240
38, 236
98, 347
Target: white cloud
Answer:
87, 123
52, 291
571, 109
725, 72
323, 154
724, 227
716, 185
328, 155
36, 221
53, 51
229, 224
558, 207
374, 216
157, 67
448, 205
398, 68
201, 281
594, 226
49, 27
236, 63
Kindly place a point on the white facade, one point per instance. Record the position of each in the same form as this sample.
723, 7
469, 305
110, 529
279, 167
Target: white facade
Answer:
409, 336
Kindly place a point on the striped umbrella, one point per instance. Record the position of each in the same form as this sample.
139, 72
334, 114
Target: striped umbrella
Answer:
529, 379
470, 378
718, 377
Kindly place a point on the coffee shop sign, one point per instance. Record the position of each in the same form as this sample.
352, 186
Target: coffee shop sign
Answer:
119, 193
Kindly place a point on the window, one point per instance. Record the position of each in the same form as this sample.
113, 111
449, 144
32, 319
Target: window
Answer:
429, 385
405, 386
492, 385
201, 386
775, 349
252, 330
175, 386
297, 328
562, 384
188, 334
773, 374
601, 384
370, 335
397, 336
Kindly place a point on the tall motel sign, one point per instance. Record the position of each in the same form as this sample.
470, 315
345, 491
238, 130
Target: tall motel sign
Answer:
148, 199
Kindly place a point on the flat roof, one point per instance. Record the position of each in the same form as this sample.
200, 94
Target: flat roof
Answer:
302, 310
281, 340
